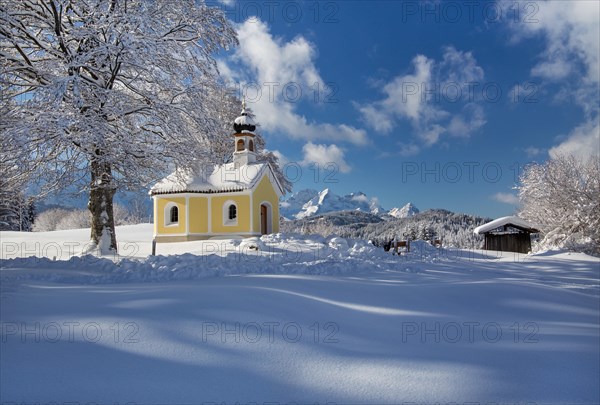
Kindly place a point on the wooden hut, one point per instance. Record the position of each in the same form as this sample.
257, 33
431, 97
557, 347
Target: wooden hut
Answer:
507, 234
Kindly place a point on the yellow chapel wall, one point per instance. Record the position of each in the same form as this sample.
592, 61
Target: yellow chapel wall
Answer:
243, 214
198, 211
265, 191
160, 227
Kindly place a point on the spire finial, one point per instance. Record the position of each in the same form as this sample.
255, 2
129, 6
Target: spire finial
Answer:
243, 104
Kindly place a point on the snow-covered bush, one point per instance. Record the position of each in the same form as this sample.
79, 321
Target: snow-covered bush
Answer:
139, 210
49, 219
59, 219
122, 216
74, 219
562, 197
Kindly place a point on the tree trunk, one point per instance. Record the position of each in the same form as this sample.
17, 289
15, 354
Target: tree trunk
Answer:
102, 191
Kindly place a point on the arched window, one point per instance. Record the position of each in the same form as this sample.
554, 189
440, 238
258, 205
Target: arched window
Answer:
240, 145
232, 212
251, 145
174, 215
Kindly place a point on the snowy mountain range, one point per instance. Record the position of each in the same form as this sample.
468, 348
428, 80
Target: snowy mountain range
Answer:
307, 203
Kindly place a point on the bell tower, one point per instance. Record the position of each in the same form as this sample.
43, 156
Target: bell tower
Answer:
244, 148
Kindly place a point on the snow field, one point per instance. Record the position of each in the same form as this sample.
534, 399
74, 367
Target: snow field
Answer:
340, 321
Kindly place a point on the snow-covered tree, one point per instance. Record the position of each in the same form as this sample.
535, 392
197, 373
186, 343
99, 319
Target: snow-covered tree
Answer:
427, 233
17, 213
113, 93
49, 219
139, 210
58, 219
410, 232
76, 219
562, 197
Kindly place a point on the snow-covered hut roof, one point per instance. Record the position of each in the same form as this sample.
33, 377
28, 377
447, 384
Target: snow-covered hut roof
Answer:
217, 179
510, 220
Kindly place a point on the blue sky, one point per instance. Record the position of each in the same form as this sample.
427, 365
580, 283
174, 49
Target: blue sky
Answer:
437, 103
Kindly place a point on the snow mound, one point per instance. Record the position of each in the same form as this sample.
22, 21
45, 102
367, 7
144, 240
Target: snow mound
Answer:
254, 243
337, 243
269, 254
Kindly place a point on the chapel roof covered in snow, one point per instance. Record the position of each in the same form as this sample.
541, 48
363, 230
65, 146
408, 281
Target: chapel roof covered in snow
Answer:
215, 179
505, 221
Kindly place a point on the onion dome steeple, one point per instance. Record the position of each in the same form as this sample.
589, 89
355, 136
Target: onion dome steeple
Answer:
244, 123
244, 127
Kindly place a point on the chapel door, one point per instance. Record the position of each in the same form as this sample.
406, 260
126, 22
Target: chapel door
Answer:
263, 219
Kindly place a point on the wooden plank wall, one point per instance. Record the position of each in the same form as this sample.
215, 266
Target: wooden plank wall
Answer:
516, 242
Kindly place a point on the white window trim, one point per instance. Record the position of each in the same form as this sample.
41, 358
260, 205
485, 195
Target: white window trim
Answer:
167, 214
226, 220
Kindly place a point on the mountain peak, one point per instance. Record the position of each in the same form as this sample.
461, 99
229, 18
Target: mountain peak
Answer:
407, 211
306, 203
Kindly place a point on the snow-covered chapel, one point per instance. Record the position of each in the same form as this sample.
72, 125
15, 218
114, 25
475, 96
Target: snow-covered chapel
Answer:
237, 199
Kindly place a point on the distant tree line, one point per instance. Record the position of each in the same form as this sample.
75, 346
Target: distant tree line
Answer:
455, 230
58, 219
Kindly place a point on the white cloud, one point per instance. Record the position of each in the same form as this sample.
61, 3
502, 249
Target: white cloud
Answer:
571, 58
266, 66
572, 33
274, 60
506, 198
468, 121
582, 142
325, 154
377, 119
409, 149
431, 134
417, 97
532, 151
226, 71
405, 93
460, 67
556, 69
